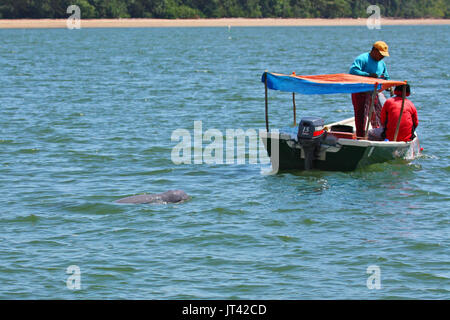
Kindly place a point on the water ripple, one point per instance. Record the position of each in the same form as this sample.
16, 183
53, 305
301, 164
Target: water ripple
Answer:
87, 121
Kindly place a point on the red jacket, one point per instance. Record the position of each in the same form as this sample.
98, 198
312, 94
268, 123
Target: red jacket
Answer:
389, 118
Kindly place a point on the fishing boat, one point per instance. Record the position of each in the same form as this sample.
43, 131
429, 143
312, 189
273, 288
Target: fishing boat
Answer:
334, 146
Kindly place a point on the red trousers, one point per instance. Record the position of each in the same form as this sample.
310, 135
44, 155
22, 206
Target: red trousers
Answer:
361, 105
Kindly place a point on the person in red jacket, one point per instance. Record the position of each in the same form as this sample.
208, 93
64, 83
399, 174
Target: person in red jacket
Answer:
389, 118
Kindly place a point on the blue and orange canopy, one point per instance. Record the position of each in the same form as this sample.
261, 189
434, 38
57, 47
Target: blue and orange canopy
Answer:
326, 83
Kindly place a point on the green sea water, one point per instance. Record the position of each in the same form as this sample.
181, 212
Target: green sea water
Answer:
86, 118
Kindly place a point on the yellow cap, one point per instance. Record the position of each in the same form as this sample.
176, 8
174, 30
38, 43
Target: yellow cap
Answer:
382, 48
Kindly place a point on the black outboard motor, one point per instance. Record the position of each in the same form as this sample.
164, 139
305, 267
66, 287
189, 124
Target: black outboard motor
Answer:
310, 136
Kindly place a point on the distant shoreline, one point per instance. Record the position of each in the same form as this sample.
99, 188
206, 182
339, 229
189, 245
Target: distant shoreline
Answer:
224, 22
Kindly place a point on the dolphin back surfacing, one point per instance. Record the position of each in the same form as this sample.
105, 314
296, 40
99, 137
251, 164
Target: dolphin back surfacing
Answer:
171, 196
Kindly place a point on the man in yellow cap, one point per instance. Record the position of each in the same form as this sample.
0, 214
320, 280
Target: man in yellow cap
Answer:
369, 64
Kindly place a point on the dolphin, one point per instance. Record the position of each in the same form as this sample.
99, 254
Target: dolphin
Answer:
171, 196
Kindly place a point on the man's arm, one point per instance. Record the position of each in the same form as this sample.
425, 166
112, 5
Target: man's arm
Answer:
357, 68
414, 116
385, 74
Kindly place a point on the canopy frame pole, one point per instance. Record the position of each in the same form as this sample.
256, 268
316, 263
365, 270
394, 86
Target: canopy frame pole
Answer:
267, 102
293, 103
372, 103
401, 112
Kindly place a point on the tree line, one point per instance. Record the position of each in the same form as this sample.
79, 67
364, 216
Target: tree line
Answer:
183, 9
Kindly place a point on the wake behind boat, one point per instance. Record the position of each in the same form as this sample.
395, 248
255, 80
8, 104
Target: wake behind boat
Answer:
331, 147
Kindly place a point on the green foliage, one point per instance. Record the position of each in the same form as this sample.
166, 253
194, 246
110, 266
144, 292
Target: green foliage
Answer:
87, 10
182, 9
178, 10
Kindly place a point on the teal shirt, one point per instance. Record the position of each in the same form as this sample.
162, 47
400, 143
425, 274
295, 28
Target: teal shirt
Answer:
364, 65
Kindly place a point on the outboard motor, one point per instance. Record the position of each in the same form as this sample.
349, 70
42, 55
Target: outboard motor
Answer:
310, 136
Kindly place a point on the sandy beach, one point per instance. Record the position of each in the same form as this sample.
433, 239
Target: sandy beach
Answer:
232, 22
